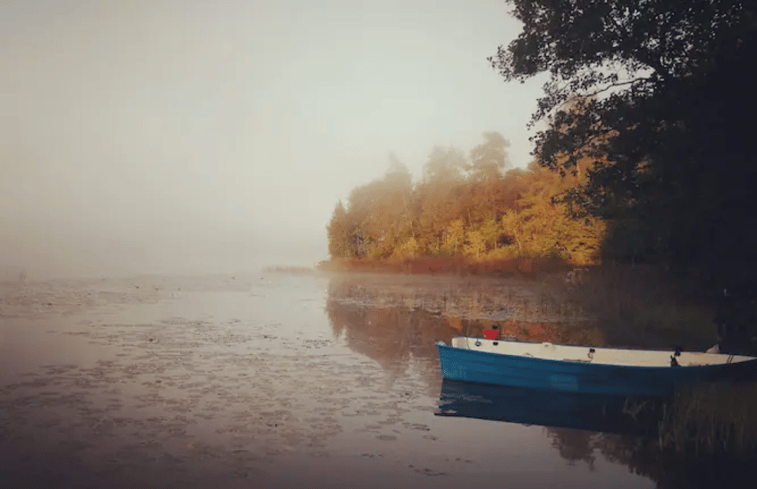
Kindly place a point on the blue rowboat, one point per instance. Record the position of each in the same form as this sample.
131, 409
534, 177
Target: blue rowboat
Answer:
616, 371
592, 412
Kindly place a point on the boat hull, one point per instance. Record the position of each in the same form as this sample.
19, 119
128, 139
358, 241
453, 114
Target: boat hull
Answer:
536, 373
592, 412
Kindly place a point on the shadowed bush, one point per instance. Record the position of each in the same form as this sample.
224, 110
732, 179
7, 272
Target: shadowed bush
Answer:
644, 306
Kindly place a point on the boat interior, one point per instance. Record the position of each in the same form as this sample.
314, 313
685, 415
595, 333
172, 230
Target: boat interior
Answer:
593, 355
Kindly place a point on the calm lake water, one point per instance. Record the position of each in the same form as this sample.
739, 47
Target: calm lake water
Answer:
266, 380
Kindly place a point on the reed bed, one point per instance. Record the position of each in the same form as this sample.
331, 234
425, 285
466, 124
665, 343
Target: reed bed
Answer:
711, 419
643, 306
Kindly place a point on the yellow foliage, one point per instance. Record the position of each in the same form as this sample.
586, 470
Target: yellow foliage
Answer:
454, 236
540, 227
408, 249
502, 216
474, 245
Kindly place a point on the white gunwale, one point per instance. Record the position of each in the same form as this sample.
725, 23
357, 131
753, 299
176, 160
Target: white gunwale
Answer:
599, 356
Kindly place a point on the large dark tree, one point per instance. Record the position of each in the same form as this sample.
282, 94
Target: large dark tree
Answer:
661, 96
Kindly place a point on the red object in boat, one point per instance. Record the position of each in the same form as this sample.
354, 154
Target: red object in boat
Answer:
491, 334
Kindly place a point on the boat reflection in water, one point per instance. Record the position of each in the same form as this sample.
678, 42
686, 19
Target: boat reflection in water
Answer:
559, 409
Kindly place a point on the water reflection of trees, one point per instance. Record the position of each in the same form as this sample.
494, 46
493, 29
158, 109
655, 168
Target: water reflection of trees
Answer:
395, 327
392, 336
643, 456
400, 325
573, 445
702, 455
444, 309
584, 428
376, 324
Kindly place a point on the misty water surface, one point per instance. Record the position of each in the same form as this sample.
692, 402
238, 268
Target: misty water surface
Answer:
265, 380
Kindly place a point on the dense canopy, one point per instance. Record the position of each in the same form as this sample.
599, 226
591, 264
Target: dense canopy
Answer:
659, 96
471, 206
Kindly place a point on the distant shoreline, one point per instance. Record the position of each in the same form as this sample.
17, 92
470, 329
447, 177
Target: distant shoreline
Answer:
454, 265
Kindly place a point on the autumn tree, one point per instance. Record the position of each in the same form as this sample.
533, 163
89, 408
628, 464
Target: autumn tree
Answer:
339, 233
454, 236
439, 195
445, 165
398, 212
539, 225
489, 161
474, 243
379, 217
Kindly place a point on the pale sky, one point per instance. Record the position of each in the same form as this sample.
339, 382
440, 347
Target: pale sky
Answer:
167, 135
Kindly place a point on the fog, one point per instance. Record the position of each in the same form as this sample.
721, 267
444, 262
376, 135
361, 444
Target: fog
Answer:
188, 136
